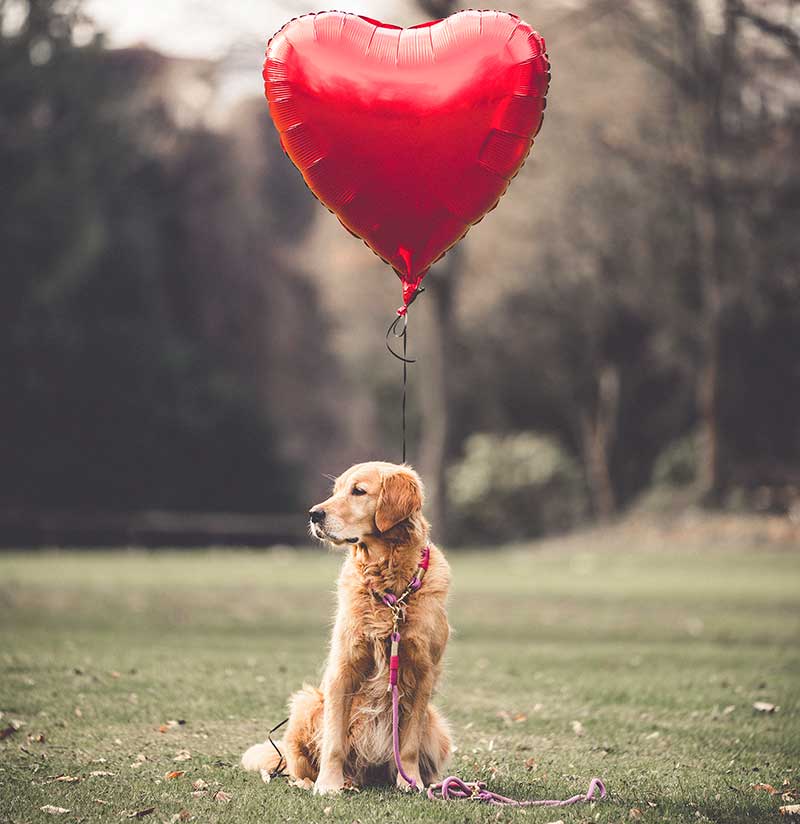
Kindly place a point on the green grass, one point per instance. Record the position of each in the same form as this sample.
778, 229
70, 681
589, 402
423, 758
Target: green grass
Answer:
658, 649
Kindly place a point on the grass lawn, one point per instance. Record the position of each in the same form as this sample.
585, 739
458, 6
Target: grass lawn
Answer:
616, 654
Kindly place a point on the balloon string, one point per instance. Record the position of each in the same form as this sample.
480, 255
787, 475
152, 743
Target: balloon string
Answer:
402, 315
405, 384
403, 333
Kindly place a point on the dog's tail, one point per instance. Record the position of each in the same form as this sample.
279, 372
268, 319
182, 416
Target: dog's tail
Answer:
262, 757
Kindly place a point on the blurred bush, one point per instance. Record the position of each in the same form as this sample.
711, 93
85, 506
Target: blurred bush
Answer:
508, 487
676, 466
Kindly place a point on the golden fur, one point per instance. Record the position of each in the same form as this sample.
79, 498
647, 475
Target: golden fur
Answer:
342, 731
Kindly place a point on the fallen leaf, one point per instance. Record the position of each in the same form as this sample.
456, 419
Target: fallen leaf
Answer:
140, 813
765, 706
634, 813
729, 709
199, 793
222, 796
182, 755
531, 765
652, 736
577, 728
101, 774
78, 712
199, 785
560, 821
766, 787
327, 811
36, 739
100, 801
140, 759
519, 718
171, 776
789, 809
114, 674
171, 724
67, 779
183, 815
49, 808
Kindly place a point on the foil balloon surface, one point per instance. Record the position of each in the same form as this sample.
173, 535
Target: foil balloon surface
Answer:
409, 136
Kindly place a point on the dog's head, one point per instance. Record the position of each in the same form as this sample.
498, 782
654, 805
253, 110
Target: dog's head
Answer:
369, 499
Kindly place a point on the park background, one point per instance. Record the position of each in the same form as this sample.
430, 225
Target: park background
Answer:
605, 409
185, 329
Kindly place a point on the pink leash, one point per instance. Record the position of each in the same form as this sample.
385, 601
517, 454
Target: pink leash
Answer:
453, 788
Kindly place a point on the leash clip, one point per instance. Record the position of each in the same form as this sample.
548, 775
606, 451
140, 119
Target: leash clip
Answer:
398, 614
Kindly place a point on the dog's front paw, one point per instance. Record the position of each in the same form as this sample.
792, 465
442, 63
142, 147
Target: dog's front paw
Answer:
329, 783
402, 784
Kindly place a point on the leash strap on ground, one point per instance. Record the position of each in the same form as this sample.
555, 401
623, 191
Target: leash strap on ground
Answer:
453, 788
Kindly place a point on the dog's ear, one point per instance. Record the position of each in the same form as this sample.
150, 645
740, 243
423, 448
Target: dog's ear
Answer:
400, 497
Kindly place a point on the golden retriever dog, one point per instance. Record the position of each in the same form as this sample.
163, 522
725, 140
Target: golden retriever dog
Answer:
340, 734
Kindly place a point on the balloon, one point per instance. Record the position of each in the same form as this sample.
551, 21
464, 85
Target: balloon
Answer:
409, 136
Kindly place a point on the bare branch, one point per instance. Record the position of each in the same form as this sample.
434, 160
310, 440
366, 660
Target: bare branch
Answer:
787, 35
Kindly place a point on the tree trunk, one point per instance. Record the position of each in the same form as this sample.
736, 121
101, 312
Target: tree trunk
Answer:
707, 388
711, 226
597, 435
436, 389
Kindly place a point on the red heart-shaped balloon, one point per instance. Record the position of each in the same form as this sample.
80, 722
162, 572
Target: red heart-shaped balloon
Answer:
409, 136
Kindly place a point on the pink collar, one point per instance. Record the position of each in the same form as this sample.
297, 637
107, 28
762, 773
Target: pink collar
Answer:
398, 603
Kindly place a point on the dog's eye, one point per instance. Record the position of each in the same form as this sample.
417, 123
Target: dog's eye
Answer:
358, 491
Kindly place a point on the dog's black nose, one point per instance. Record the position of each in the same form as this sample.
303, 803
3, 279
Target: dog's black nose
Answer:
317, 515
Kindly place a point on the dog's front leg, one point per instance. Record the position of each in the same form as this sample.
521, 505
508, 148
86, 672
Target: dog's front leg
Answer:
411, 727
338, 685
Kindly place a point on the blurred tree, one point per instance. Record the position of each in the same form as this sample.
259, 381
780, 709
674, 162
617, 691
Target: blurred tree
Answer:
664, 293
579, 352
729, 120
436, 387
137, 277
